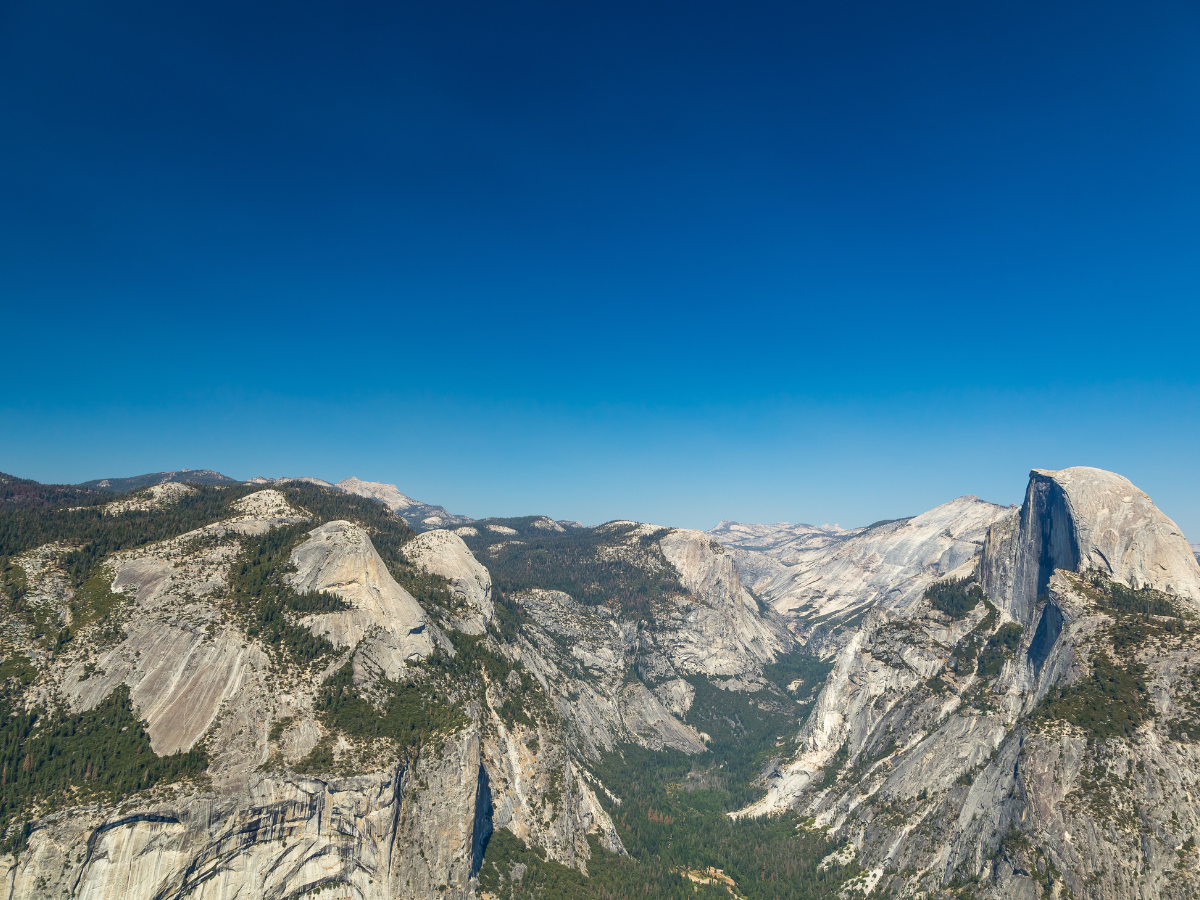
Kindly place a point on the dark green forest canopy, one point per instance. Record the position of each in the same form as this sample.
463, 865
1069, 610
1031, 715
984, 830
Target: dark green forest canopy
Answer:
672, 817
672, 823
23, 492
261, 598
95, 536
1112, 702
55, 757
955, 597
32, 515
185, 476
574, 561
1126, 602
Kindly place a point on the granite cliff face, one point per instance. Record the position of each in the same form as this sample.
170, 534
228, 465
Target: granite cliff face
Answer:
1030, 742
443, 553
1080, 519
275, 815
827, 575
383, 621
417, 514
290, 801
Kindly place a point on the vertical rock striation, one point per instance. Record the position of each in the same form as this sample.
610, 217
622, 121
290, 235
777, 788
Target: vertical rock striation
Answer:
1080, 519
1042, 745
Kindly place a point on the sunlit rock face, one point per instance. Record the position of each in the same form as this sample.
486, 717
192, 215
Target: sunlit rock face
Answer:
932, 750
339, 558
443, 553
411, 830
1081, 519
417, 514
813, 575
375, 824
723, 633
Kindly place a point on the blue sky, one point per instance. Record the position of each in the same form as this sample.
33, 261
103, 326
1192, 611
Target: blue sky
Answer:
665, 261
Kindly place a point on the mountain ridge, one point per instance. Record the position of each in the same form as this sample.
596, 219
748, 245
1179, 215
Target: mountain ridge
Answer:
493, 708
415, 512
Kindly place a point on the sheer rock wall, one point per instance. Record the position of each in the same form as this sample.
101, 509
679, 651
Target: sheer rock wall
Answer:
940, 774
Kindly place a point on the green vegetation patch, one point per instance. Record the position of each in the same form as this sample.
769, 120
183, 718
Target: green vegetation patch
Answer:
472, 659
96, 603
1186, 725
1112, 702
672, 815
406, 714
1138, 615
22, 492
41, 619
513, 871
593, 565
475, 664
14, 584
670, 826
506, 618
262, 599
389, 533
809, 670
407, 711
745, 727
671, 831
956, 597
1000, 646
966, 652
17, 665
57, 757
1117, 598
97, 536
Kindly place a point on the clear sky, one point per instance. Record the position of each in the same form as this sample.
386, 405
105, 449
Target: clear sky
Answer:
675, 262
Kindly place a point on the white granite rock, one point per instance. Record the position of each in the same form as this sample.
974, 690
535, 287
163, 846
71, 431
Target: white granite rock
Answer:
719, 629
1079, 519
340, 559
822, 574
414, 512
444, 553
156, 496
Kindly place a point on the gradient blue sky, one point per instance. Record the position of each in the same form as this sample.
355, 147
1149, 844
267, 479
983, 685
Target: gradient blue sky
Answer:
668, 261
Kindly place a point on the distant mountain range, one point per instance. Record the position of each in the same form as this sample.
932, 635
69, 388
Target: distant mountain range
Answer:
183, 476
421, 516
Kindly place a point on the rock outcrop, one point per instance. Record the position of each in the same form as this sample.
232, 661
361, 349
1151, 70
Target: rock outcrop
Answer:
826, 575
982, 749
782, 541
443, 553
1038, 738
183, 476
339, 558
718, 629
412, 824
417, 514
153, 497
374, 837
583, 656
1080, 519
